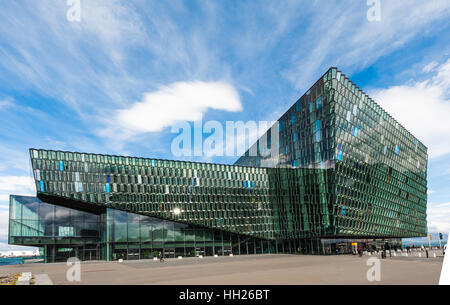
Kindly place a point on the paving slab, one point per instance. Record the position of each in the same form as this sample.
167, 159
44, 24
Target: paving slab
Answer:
42, 279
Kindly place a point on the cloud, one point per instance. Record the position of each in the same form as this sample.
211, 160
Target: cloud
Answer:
69, 61
4, 247
438, 217
422, 108
16, 185
4, 224
5, 103
14, 159
181, 101
348, 40
430, 67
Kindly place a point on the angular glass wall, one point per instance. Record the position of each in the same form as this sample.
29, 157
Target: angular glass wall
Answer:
63, 232
133, 236
380, 171
231, 198
373, 181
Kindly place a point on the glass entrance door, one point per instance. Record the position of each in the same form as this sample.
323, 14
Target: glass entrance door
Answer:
134, 253
91, 253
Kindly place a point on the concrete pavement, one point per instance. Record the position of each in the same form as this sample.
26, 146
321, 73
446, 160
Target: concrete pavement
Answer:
246, 270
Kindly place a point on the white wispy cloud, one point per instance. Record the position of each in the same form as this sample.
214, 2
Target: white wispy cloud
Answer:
118, 52
4, 247
181, 101
430, 67
4, 224
12, 159
438, 217
348, 40
5, 103
423, 108
69, 61
16, 185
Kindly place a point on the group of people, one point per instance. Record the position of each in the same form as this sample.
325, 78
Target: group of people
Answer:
373, 249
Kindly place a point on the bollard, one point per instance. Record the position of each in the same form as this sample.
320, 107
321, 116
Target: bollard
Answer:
120, 260
180, 257
231, 254
215, 255
200, 256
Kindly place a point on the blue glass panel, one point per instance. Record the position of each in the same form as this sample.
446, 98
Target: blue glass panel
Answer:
319, 103
298, 106
107, 187
343, 210
295, 137
294, 163
42, 186
293, 118
356, 131
317, 125
340, 155
108, 178
280, 126
287, 149
61, 166
153, 162
397, 150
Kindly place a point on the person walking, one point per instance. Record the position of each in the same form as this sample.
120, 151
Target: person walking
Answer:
161, 257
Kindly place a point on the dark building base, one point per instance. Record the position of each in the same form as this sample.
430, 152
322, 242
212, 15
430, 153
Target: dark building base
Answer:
67, 232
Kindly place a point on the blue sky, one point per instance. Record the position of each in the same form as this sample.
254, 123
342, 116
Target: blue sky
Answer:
115, 81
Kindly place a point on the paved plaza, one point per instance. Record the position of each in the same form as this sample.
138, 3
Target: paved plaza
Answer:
246, 270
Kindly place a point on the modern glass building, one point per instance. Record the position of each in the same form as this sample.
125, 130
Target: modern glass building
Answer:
335, 169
